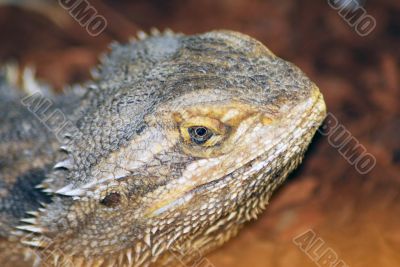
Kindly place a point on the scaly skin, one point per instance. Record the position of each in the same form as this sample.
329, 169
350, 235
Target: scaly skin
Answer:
134, 184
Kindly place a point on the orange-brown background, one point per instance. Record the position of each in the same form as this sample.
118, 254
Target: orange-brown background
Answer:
358, 216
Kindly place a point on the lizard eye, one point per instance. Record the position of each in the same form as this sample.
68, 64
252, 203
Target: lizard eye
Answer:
199, 134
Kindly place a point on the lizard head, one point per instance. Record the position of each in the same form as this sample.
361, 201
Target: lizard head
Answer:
180, 141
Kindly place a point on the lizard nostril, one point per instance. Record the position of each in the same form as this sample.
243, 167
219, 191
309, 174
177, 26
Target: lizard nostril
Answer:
111, 200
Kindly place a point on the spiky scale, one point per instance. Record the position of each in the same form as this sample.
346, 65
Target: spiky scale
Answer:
31, 228
129, 256
29, 220
67, 164
142, 35
35, 243
147, 239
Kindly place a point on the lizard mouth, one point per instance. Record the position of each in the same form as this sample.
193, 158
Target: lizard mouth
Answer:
313, 112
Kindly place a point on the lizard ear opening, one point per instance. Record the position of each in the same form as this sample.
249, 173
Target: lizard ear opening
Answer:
111, 200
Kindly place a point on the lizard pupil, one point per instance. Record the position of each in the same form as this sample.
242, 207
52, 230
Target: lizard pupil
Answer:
199, 134
201, 131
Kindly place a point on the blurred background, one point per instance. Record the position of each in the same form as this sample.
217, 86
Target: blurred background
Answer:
357, 216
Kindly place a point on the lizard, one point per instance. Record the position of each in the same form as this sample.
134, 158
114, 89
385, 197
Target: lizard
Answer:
175, 144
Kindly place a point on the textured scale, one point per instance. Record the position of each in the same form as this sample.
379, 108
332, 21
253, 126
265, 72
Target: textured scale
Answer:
123, 183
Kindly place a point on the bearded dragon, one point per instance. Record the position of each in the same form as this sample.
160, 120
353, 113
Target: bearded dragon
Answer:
177, 142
